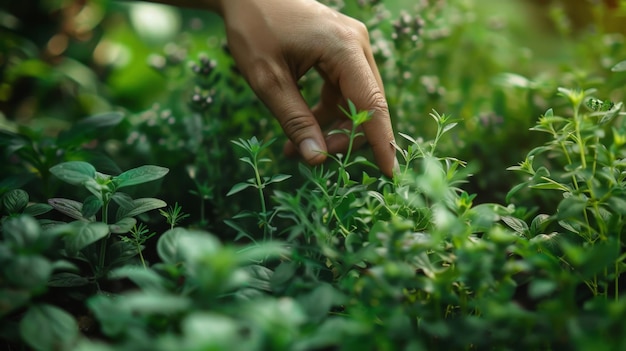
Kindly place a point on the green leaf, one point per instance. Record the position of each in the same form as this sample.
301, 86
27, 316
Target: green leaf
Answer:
146, 279
168, 246
91, 206
619, 67
140, 206
611, 114
516, 224
283, 273
120, 252
68, 207
179, 244
74, 172
37, 209
571, 207
258, 277
278, 178
66, 280
83, 234
29, 272
123, 200
48, 328
263, 251
22, 233
550, 186
317, 303
140, 175
122, 226
238, 187
14, 201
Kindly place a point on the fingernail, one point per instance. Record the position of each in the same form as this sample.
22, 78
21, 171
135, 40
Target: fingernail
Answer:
309, 149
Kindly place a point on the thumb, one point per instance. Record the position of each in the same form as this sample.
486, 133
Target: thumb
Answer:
279, 92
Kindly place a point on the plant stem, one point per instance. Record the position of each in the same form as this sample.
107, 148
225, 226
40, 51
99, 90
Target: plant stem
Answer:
259, 186
104, 242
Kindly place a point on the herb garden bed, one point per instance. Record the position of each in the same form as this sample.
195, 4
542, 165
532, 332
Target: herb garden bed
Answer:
174, 222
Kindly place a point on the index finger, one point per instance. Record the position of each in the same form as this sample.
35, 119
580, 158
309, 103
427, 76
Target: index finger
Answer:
360, 82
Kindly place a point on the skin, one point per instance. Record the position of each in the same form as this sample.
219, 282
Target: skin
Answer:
275, 42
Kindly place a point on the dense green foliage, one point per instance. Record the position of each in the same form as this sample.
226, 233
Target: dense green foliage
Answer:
169, 220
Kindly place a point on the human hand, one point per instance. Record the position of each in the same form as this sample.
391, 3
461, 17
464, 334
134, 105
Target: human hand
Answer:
275, 42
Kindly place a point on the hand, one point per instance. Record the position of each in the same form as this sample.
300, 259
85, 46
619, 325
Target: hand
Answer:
275, 42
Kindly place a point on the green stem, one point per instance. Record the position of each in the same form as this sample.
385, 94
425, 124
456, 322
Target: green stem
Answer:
104, 242
143, 262
259, 186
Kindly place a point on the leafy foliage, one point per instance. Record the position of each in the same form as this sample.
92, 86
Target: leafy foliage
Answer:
453, 252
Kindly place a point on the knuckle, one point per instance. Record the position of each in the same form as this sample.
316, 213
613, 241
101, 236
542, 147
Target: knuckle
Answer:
295, 126
377, 101
262, 76
354, 31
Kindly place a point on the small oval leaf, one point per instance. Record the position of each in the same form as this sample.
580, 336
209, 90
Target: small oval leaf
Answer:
140, 175
74, 172
14, 201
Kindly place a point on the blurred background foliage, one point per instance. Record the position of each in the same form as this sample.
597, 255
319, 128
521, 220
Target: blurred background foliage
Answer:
494, 65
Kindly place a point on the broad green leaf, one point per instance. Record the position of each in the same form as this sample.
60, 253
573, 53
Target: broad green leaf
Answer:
168, 246
140, 206
37, 209
617, 204
91, 206
74, 172
319, 301
283, 273
516, 224
258, 277
48, 328
263, 251
83, 234
122, 226
571, 207
66, 280
123, 200
22, 233
120, 252
29, 272
71, 208
14, 201
140, 175
179, 244
146, 279
238, 187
